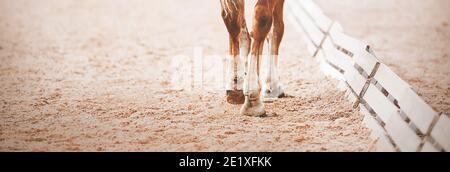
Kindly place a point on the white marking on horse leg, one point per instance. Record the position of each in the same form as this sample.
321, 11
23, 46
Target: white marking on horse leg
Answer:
237, 65
251, 81
253, 105
244, 47
272, 77
272, 86
235, 73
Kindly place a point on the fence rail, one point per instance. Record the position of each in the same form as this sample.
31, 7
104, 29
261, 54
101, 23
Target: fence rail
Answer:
399, 119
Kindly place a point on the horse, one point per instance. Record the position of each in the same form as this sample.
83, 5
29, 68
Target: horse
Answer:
243, 86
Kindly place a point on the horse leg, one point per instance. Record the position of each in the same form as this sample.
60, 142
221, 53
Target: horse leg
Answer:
232, 15
262, 22
273, 88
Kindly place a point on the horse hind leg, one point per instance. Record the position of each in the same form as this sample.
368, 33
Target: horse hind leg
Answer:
272, 87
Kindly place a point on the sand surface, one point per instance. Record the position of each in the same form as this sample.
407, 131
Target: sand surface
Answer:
84, 75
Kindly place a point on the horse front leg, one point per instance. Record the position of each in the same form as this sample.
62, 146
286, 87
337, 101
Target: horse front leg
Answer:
253, 106
233, 17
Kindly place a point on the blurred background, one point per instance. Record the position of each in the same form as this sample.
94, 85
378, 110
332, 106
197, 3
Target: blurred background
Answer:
79, 75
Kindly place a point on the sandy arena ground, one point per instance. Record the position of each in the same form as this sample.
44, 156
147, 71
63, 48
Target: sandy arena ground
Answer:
83, 75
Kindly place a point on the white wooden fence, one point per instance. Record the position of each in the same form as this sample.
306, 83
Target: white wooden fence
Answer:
399, 119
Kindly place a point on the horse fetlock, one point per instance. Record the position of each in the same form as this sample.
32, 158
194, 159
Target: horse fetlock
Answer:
235, 74
253, 106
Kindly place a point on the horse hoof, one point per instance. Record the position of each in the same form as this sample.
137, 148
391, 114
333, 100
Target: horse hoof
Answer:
235, 97
253, 108
273, 94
